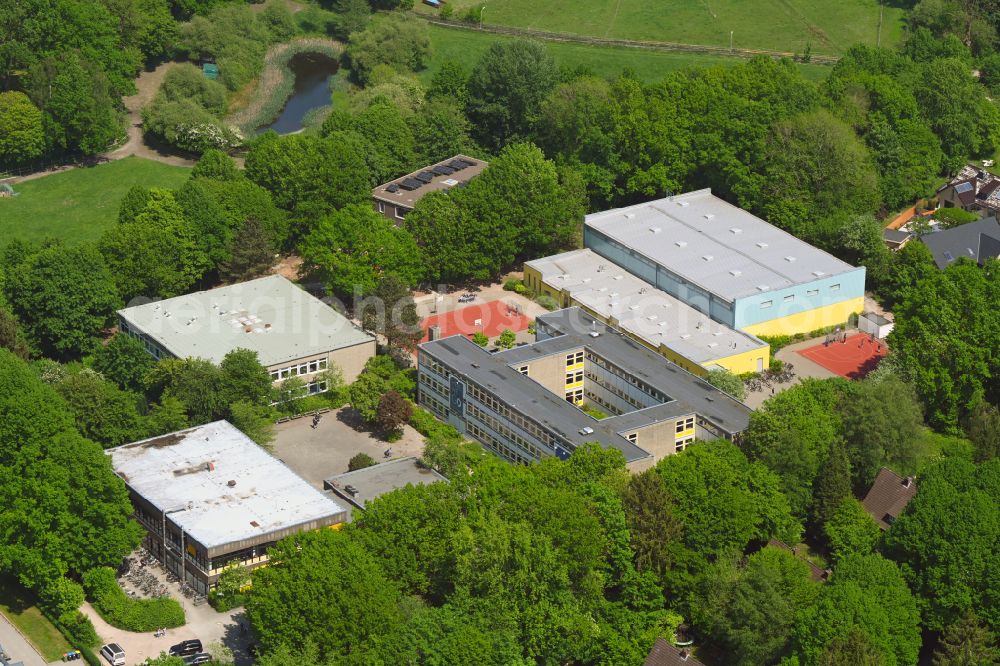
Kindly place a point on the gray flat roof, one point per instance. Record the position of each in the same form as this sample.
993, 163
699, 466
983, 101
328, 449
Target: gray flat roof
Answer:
187, 475
432, 182
377, 480
715, 245
640, 308
690, 394
269, 315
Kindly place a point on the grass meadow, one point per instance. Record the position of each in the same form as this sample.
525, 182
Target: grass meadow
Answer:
79, 204
466, 46
18, 606
781, 25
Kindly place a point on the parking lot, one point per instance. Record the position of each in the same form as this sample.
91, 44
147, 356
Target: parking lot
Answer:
317, 454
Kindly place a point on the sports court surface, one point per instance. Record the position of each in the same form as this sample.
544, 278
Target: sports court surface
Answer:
490, 318
853, 359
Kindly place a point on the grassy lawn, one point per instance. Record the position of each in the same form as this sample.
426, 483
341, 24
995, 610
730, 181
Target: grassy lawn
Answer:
79, 204
781, 25
18, 606
466, 46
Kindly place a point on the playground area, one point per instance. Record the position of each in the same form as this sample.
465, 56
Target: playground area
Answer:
488, 318
849, 355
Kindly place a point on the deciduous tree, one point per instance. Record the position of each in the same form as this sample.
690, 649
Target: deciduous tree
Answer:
393, 411
125, 361
22, 136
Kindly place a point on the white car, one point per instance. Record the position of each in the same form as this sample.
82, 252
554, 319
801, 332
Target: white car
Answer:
114, 654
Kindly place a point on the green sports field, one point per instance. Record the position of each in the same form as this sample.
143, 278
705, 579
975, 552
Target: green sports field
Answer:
465, 46
79, 204
829, 27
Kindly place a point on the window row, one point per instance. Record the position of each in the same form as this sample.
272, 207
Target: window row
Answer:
436, 407
628, 377
612, 409
516, 418
434, 365
790, 298
611, 388
498, 447
428, 381
299, 369
505, 431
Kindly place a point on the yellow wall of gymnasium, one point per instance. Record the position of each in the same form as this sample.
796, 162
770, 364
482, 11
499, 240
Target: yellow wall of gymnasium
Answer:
810, 320
744, 361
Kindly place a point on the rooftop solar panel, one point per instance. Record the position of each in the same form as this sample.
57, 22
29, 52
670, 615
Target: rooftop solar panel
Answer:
410, 184
443, 170
424, 176
457, 164
963, 187
392, 188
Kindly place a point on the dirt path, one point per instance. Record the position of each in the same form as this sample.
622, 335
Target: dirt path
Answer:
147, 84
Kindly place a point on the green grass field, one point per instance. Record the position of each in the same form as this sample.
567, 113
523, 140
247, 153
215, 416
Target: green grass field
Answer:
466, 46
780, 25
81, 203
19, 607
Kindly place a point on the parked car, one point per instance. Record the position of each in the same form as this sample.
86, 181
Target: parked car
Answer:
185, 648
200, 658
114, 654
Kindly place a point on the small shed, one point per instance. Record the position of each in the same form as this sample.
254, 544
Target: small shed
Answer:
875, 324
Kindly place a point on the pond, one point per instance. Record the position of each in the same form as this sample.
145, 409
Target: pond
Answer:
313, 73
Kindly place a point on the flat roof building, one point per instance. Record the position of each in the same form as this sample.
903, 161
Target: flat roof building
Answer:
218, 497
293, 332
649, 315
398, 197
525, 403
363, 485
728, 264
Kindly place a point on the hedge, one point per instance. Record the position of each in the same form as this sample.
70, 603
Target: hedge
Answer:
120, 611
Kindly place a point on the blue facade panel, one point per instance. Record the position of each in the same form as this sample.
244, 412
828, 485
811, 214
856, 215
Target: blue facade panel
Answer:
779, 303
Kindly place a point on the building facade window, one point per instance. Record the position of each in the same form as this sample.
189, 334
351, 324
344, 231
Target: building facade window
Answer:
381, 207
684, 424
299, 369
766, 304
789, 298
682, 444
834, 287
399, 213
523, 370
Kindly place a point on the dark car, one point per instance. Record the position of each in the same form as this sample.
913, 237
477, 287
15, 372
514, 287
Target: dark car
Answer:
186, 648
200, 658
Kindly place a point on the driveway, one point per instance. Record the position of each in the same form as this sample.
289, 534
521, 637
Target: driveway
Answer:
317, 454
14, 645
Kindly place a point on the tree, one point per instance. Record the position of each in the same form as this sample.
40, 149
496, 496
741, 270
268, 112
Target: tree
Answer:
243, 378
233, 580
354, 249
360, 461
866, 595
251, 253
215, 164
749, 614
967, 642
69, 512
103, 412
480, 338
391, 312
726, 381
393, 411
254, 421
440, 130
64, 296
169, 415
365, 394
654, 531
957, 109
22, 136
832, 486
196, 382
134, 202
450, 82
506, 90
954, 217
790, 434
60, 596
850, 530
157, 254
392, 40
78, 106
389, 134
11, 337
125, 361
328, 591
945, 542
506, 339
854, 648
983, 429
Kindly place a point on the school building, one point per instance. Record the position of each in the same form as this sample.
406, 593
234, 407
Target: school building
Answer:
648, 315
728, 264
529, 402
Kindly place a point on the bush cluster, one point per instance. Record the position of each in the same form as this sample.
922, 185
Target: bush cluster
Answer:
78, 628
120, 611
516, 286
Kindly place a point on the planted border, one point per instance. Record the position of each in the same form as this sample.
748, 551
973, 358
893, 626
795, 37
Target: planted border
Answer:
123, 612
277, 82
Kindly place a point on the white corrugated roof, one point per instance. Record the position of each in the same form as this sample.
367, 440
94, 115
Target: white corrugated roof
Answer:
187, 475
269, 315
640, 308
715, 245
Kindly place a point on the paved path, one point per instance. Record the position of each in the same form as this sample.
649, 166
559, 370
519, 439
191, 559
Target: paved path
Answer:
16, 647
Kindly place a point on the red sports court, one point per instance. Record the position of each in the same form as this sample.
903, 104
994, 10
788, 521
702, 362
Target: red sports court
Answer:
490, 318
853, 359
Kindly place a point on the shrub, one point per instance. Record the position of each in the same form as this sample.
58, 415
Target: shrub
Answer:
78, 628
185, 81
61, 596
120, 611
394, 40
231, 588
188, 126
360, 461
430, 427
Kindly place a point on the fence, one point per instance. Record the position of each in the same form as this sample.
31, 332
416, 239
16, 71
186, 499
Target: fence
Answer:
627, 43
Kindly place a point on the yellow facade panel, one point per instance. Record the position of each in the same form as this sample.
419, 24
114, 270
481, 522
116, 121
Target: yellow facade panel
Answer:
810, 320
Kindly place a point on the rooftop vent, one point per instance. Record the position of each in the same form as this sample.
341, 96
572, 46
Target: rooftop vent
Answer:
761, 244
819, 273
586, 430
351, 490
707, 257
231, 483
680, 243
790, 259
735, 273
655, 230
709, 216
247, 329
762, 287
682, 204
629, 216
617, 277
735, 230
254, 523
